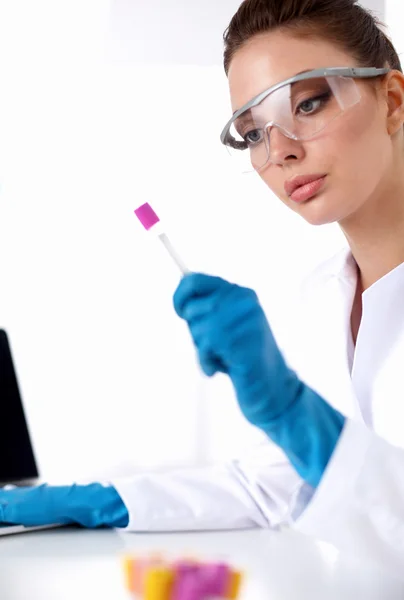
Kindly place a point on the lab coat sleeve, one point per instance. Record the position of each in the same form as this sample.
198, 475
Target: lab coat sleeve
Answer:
359, 504
254, 492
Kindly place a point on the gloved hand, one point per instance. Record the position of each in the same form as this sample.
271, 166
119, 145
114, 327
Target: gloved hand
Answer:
89, 505
232, 336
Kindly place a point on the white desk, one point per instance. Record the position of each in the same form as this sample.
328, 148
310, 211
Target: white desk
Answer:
74, 564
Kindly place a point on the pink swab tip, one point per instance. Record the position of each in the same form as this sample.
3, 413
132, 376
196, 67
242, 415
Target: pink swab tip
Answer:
146, 216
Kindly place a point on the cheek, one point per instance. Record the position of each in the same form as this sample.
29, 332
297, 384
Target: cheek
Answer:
354, 150
345, 139
274, 177
359, 150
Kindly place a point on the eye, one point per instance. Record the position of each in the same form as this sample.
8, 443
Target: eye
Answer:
253, 137
312, 105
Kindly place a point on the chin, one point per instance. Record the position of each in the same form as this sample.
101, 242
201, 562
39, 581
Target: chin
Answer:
318, 211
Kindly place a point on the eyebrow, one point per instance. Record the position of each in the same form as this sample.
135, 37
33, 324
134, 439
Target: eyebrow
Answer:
295, 75
245, 117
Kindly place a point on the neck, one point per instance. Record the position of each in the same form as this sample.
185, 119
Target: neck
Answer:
376, 233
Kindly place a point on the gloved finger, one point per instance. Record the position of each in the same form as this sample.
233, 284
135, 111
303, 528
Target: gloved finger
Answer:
195, 285
235, 302
25, 506
198, 308
210, 364
12, 492
226, 307
207, 365
202, 334
217, 330
223, 299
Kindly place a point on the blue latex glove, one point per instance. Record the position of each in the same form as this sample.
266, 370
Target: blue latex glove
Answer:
232, 336
89, 505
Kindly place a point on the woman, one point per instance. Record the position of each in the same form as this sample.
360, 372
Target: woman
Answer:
318, 100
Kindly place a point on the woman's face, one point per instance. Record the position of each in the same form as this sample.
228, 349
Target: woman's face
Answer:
354, 152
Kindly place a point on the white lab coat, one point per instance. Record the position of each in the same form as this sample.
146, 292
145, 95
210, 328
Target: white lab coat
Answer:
359, 504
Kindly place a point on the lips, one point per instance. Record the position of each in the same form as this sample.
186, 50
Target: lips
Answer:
304, 185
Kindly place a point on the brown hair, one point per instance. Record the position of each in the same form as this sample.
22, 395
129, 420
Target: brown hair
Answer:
352, 27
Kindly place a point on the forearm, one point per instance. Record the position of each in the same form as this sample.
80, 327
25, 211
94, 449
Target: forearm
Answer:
307, 431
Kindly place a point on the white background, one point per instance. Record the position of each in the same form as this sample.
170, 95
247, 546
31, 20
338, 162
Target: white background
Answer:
90, 128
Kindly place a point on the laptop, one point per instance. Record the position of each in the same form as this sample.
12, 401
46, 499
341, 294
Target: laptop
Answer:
18, 465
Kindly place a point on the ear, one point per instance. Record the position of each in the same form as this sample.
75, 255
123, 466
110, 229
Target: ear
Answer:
394, 95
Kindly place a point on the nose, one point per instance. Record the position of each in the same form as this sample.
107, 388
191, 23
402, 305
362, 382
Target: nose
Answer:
281, 148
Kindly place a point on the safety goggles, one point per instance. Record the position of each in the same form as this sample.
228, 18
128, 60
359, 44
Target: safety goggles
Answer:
300, 107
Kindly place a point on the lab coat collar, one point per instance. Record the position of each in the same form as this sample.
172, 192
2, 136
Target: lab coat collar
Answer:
344, 267
339, 270
321, 349
380, 338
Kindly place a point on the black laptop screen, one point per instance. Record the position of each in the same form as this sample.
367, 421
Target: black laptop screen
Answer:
17, 459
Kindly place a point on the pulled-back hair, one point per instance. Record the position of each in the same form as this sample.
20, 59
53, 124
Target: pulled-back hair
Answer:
344, 22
